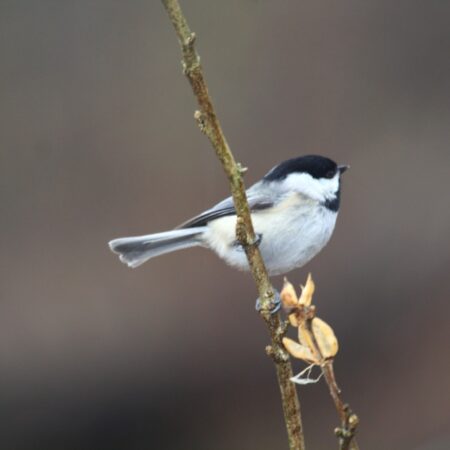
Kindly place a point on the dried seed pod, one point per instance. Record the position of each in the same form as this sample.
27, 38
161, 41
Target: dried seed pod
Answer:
307, 292
293, 320
325, 338
288, 295
298, 351
305, 337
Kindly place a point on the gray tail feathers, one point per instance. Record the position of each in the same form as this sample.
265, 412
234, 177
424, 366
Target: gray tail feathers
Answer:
134, 251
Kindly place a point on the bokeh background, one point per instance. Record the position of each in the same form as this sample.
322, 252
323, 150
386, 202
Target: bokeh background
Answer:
98, 141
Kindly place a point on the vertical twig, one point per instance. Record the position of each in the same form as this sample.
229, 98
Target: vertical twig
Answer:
210, 126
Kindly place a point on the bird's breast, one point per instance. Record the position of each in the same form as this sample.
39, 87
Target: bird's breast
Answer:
295, 236
292, 233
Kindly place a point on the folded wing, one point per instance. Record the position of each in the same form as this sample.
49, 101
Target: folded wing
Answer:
257, 201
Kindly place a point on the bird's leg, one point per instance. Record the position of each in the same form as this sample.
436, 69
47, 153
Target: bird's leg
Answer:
276, 302
275, 305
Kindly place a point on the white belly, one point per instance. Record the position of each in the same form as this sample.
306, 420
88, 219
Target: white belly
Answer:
291, 236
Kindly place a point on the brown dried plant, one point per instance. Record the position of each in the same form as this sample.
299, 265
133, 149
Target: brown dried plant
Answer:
317, 346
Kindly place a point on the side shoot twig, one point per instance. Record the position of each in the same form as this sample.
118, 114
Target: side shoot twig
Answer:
349, 421
318, 345
210, 126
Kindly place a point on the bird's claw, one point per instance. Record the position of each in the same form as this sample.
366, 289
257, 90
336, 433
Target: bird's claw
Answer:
258, 239
256, 242
275, 305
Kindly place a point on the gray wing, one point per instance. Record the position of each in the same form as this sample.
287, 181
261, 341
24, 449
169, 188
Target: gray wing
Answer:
258, 199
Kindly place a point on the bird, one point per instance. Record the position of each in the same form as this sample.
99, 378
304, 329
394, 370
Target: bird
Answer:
293, 209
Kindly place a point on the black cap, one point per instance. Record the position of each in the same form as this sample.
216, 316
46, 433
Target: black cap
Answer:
314, 165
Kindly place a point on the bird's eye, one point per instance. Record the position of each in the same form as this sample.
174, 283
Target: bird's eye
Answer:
330, 174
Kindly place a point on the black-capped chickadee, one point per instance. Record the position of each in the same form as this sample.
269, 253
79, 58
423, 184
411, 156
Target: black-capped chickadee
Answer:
294, 209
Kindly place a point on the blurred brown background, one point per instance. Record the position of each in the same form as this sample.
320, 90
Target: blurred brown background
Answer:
98, 141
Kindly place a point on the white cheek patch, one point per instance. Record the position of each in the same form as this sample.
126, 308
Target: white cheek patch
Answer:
330, 186
303, 183
320, 190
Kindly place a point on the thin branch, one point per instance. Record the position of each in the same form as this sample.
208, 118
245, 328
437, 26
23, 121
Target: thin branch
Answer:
210, 126
349, 420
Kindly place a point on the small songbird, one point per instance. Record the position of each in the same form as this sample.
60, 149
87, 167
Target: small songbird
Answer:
293, 208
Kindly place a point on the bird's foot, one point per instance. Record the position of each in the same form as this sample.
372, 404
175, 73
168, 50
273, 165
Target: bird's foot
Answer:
258, 239
256, 242
275, 305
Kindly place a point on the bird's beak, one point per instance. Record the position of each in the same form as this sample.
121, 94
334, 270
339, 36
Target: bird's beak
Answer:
343, 168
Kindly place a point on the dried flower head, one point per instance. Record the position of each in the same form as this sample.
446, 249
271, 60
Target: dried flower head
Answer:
316, 339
